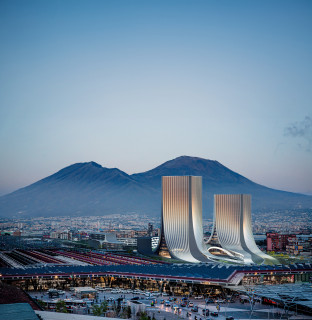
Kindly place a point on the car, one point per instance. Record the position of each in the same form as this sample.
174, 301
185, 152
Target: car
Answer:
184, 299
167, 303
199, 297
162, 301
110, 299
190, 304
135, 298
100, 289
229, 318
194, 309
219, 301
164, 294
214, 314
209, 300
183, 304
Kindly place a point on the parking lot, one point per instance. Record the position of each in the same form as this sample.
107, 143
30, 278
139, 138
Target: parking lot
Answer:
163, 307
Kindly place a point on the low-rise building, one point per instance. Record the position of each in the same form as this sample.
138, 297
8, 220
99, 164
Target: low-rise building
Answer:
277, 242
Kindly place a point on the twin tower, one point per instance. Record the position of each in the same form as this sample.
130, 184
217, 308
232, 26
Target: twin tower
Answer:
182, 228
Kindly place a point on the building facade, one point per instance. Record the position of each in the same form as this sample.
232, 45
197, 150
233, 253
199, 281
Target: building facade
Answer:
181, 234
278, 242
181, 226
232, 238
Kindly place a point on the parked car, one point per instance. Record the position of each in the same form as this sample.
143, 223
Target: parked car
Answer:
229, 318
214, 314
135, 298
167, 303
194, 309
209, 300
219, 301
199, 297
183, 304
190, 304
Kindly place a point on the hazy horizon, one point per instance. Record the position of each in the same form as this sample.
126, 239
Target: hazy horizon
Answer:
128, 172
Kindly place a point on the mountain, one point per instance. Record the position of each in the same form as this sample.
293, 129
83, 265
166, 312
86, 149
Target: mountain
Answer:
90, 189
80, 189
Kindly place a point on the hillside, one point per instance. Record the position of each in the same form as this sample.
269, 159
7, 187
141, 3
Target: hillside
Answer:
90, 189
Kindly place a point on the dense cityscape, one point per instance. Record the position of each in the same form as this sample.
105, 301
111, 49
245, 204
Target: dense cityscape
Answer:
177, 265
114, 241
155, 160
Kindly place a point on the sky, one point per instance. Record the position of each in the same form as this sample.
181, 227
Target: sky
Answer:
132, 84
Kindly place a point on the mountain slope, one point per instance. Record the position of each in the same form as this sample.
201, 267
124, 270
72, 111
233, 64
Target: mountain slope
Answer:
80, 189
89, 189
218, 179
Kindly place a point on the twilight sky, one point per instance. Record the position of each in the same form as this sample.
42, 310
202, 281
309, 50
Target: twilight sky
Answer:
132, 84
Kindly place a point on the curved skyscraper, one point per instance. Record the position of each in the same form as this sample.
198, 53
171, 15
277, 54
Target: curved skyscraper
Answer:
232, 230
182, 228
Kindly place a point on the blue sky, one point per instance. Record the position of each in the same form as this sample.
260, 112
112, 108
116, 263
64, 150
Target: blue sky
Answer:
131, 84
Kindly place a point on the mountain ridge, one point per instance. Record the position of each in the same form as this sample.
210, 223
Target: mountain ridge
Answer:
87, 188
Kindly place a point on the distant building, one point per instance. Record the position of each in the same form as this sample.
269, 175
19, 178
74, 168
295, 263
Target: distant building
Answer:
103, 240
138, 233
129, 242
63, 235
147, 245
278, 242
17, 233
294, 246
150, 230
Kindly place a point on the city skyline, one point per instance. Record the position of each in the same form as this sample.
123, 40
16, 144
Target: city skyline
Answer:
133, 84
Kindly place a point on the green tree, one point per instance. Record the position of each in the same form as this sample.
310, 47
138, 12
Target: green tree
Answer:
128, 310
60, 306
142, 316
104, 306
97, 310
42, 303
